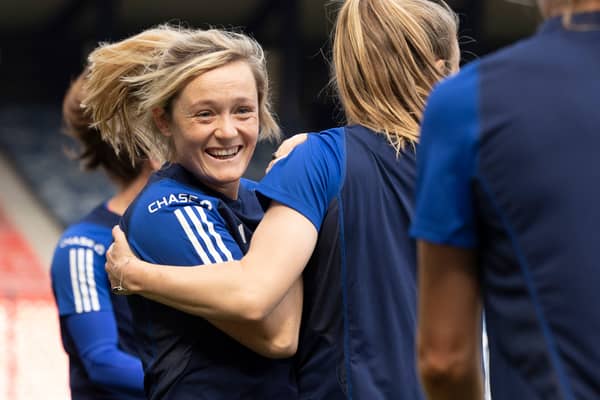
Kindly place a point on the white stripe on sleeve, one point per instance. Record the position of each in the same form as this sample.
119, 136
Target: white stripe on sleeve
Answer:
192, 238
75, 286
91, 280
217, 237
205, 238
82, 281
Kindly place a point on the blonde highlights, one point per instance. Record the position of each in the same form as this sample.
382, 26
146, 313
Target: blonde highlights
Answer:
384, 60
131, 78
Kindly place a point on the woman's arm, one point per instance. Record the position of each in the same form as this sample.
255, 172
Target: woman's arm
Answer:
449, 327
96, 339
276, 336
252, 289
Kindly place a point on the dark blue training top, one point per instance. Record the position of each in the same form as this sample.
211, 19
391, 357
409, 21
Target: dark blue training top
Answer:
96, 326
509, 164
357, 338
177, 220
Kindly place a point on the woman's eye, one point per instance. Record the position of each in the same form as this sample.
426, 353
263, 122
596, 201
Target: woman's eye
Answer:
204, 114
244, 110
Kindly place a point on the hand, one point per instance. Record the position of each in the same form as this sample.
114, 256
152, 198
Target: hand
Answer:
118, 259
286, 147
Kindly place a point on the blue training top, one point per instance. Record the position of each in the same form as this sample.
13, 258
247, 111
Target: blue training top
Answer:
177, 220
509, 165
96, 327
357, 338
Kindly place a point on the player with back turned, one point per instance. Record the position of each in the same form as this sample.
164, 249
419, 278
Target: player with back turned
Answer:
508, 215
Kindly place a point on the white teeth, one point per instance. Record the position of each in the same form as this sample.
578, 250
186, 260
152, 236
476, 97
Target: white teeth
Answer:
224, 152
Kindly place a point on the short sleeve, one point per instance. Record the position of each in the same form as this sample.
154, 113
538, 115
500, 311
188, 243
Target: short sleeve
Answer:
79, 281
184, 235
446, 163
309, 177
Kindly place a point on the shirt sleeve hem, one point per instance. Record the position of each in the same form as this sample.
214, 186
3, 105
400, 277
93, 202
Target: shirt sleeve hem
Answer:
436, 237
274, 194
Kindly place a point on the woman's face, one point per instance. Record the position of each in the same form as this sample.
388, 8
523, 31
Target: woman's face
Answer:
214, 126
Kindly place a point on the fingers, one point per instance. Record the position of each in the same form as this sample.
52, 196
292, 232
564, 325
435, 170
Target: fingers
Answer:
286, 148
117, 233
289, 144
273, 162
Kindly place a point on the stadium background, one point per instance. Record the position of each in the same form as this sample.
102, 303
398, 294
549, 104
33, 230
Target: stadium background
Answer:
43, 45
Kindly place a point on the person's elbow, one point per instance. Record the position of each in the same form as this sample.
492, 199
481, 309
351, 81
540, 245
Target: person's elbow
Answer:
282, 346
100, 373
98, 377
278, 342
445, 365
106, 366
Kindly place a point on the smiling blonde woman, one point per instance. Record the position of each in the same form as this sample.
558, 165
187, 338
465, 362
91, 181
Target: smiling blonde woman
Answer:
200, 103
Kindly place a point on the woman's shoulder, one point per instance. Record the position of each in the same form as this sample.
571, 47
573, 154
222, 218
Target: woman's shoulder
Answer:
166, 193
93, 228
90, 236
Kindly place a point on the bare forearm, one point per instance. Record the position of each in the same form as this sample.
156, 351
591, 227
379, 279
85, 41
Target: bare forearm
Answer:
233, 290
449, 323
248, 289
203, 291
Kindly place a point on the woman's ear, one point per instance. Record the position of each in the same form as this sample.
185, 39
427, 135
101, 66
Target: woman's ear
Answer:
161, 120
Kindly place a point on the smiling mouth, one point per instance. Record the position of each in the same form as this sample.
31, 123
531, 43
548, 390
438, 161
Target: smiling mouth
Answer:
224, 153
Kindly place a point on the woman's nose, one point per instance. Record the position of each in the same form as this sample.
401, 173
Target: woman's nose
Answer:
226, 128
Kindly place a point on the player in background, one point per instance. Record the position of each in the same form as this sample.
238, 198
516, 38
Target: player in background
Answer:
200, 104
507, 215
340, 208
95, 324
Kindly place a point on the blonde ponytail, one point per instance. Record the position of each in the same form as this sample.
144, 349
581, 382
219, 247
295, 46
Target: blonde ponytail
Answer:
384, 58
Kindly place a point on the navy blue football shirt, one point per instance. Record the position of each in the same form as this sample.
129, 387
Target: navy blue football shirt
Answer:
357, 337
509, 165
96, 326
176, 220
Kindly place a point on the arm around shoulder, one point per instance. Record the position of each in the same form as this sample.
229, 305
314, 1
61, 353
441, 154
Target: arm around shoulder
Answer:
264, 291
255, 285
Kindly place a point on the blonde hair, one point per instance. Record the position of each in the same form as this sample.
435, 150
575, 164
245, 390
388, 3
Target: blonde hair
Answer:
384, 61
131, 78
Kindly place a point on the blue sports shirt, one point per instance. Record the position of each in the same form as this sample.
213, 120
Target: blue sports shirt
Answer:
357, 337
177, 220
509, 166
96, 327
